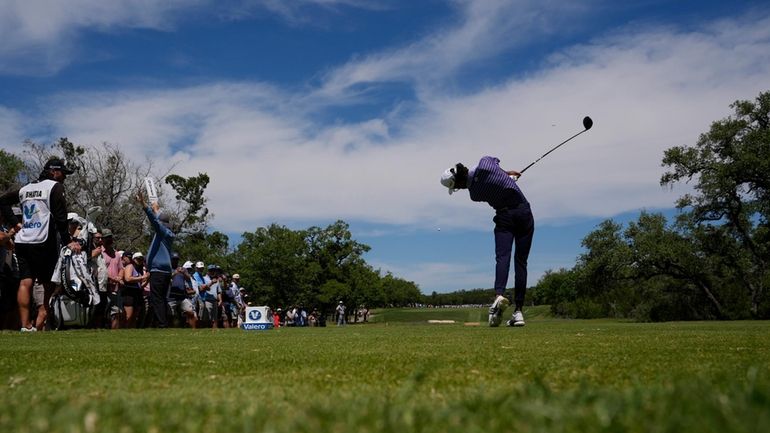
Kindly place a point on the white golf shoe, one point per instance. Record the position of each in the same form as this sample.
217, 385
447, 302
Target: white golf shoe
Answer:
517, 319
497, 309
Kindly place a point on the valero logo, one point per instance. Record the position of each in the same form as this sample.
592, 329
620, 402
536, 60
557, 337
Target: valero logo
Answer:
29, 211
256, 326
257, 318
255, 315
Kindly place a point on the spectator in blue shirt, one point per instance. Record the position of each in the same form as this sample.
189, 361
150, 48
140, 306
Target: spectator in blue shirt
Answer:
158, 259
209, 293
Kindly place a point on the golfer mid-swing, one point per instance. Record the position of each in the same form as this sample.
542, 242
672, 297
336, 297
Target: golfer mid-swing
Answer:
513, 222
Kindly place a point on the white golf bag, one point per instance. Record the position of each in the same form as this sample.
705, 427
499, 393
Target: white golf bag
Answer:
73, 305
66, 313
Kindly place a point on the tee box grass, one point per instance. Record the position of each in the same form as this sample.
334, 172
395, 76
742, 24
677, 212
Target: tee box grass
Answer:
393, 376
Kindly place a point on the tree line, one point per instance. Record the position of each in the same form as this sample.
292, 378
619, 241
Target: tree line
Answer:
279, 266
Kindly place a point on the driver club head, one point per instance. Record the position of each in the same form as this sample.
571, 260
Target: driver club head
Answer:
587, 123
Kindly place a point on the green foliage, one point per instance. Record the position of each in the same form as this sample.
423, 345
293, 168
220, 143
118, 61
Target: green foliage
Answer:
315, 267
273, 263
104, 177
672, 257
334, 250
603, 277
557, 289
647, 271
366, 286
206, 247
714, 262
332, 290
11, 167
399, 292
604, 265
192, 215
730, 166
460, 297
569, 376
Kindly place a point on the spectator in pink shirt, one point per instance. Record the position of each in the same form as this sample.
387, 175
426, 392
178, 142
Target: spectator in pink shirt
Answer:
114, 263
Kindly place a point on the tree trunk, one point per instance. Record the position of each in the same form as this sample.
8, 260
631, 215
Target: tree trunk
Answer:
711, 297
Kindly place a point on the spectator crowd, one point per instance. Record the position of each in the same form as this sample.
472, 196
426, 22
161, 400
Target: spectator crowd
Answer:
197, 295
48, 254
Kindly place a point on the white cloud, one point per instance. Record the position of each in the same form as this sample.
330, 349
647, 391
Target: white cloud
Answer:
10, 130
646, 91
483, 29
39, 36
270, 161
442, 277
295, 11
154, 123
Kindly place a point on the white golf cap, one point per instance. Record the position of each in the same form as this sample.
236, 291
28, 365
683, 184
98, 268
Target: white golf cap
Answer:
187, 264
236, 276
200, 265
448, 179
137, 255
72, 216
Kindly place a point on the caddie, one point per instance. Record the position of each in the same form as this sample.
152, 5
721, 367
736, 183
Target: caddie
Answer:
41, 233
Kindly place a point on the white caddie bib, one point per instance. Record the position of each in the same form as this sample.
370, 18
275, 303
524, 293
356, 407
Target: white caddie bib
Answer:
35, 200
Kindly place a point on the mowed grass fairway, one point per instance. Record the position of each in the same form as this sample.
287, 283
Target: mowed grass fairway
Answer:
551, 376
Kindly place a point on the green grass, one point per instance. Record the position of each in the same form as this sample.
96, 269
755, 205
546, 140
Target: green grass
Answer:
551, 376
459, 315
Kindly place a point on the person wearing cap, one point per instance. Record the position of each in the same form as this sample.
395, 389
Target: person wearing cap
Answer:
208, 298
190, 287
158, 258
211, 296
242, 297
114, 263
227, 308
340, 312
40, 234
99, 272
514, 224
179, 301
135, 276
231, 300
200, 281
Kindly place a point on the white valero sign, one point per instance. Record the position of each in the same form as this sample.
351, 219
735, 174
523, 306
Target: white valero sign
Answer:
258, 319
152, 190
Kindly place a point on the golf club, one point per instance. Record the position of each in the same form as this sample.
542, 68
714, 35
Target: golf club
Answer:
587, 124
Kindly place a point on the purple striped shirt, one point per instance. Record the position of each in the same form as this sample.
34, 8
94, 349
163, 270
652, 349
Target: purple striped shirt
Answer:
490, 183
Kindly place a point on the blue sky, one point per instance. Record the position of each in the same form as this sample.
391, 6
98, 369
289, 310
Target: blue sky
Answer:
307, 111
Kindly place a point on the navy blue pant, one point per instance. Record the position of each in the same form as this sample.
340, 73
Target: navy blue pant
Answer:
159, 284
513, 225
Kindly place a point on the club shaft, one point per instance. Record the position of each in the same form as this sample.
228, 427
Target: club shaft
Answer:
556, 147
